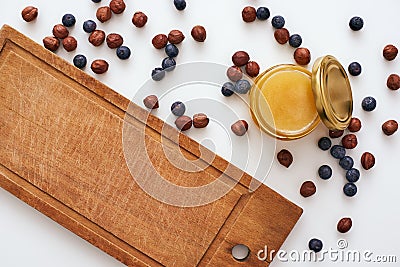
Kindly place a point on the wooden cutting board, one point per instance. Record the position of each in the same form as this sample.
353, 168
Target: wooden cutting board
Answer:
61, 151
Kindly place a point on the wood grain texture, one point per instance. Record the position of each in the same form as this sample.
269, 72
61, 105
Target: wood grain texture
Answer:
61, 151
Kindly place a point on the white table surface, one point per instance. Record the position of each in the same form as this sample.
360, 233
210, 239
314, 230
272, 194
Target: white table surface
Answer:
29, 238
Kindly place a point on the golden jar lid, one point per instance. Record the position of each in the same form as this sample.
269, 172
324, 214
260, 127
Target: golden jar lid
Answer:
332, 92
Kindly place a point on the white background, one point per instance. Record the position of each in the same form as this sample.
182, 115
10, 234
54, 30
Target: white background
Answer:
29, 238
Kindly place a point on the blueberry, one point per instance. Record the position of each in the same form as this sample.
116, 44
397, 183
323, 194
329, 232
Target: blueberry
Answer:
123, 52
368, 103
278, 22
158, 74
346, 162
350, 189
325, 172
96, 1
353, 175
227, 89
171, 50
356, 23
180, 4
295, 40
338, 152
315, 245
168, 64
354, 68
324, 143
68, 20
263, 13
242, 86
178, 108
89, 26
80, 61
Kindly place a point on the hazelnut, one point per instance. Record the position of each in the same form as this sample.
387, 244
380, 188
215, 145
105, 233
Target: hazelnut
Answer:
390, 127
183, 123
302, 56
99, 66
234, 73
200, 120
249, 14
240, 58
97, 37
335, 133
51, 43
349, 141
285, 158
390, 52
308, 189
175, 37
281, 35
29, 13
344, 225
103, 13
393, 82
252, 68
69, 43
159, 41
151, 102
117, 6
240, 127
139, 19
367, 160
199, 33
355, 125
60, 31
114, 40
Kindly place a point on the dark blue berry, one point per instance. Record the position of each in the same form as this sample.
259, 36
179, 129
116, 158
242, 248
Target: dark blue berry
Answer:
356, 23
350, 189
123, 52
315, 245
89, 26
353, 175
171, 50
325, 172
68, 20
338, 152
346, 162
80, 61
180, 4
168, 64
324, 143
263, 13
295, 40
96, 1
178, 108
278, 22
158, 74
354, 68
368, 103
242, 87
228, 89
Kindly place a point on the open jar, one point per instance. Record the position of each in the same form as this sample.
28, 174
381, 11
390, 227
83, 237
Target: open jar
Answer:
288, 101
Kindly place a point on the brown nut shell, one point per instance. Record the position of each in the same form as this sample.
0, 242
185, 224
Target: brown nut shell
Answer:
308, 189
97, 37
60, 31
69, 43
99, 66
285, 158
103, 13
335, 133
200, 120
249, 14
234, 73
159, 41
240, 127
355, 125
393, 82
176, 37
183, 123
117, 6
390, 52
51, 43
282, 35
114, 40
29, 13
390, 127
199, 33
139, 19
344, 225
252, 68
151, 102
349, 141
302, 56
367, 160
240, 58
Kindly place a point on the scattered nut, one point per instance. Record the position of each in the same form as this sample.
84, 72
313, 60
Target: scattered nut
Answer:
103, 13
344, 225
114, 40
252, 68
349, 141
200, 120
335, 133
51, 43
69, 43
367, 160
29, 13
240, 58
393, 82
183, 123
117, 6
139, 19
285, 158
199, 33
159, 41
390, 127
97, 37
234, 73
355, 125
390, 52
151, 102
249, 14
99, 66
302, 56
282, 36
308, 189
240, 127
60, 31
175, 37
